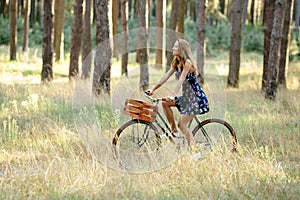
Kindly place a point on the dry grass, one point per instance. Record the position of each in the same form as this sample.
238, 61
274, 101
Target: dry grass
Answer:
43, 157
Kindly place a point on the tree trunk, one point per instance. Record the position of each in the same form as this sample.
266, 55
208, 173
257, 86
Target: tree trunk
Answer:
228, 8
59, 10
285, 41
2, 8
268, 25
129, 8
75, 40
235, 43
94, 11
148, 15
148, 23
275, 42
47, 73
171, 32
297, 20
32, 13
256, 11
193, 11
135, 8
180, 27
13, 29
222, 6
124, 19
101, 77
115, 15
143, 56
137, 55
26, 26
159, 33
252, 12
261, 13
201, 40
20, 8
39, 12
153, 8
245, 12
87, 40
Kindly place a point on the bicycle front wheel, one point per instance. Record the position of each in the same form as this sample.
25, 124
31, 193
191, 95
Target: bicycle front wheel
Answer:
215, 134
135, 143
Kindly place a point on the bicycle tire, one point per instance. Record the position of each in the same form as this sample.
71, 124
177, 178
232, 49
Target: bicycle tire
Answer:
216, 133
135, 138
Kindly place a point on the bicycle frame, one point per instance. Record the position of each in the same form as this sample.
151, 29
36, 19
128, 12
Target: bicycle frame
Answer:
156, 101
162, 130
199, 124
164, 122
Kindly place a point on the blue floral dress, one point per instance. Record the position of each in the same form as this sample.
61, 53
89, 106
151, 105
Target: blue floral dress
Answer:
193, 100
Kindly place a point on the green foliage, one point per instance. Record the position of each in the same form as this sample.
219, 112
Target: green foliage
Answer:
35, 35
4, 31
68, 24
36, 31
190, 28
253, 38
67, 36
218, 37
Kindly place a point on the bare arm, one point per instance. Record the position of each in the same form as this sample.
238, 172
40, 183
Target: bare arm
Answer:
186, 69
163, 79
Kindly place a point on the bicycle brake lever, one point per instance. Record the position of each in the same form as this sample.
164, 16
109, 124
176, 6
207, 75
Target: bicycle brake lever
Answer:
154, 100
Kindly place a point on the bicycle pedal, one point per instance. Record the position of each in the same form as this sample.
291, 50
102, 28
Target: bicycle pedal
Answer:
176, 134
164, 136
135, 145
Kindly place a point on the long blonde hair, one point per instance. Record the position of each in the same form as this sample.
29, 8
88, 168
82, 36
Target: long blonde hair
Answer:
184, 54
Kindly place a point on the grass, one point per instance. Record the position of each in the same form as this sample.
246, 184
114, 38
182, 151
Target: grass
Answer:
43, 156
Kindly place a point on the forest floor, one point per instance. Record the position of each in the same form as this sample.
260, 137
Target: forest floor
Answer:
44, 156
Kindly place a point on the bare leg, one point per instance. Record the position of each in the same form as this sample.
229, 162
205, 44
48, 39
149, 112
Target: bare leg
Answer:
169, 113
182, 124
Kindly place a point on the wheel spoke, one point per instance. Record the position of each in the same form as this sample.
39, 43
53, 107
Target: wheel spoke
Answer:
135, 142
215, 133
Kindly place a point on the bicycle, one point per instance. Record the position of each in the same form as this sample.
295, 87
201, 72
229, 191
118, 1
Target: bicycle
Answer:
144, 133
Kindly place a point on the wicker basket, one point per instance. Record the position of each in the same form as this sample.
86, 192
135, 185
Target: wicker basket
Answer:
140, 110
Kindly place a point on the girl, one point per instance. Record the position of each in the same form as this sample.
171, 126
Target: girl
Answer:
193, 100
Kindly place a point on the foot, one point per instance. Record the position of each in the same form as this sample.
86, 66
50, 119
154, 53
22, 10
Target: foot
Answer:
176, 134
194, 152
168, 134
164, 136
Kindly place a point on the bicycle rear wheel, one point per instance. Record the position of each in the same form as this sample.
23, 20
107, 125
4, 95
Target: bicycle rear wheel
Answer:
135, 143
214, 134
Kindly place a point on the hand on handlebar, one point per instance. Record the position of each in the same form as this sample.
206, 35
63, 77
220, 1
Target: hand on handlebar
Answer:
149, 92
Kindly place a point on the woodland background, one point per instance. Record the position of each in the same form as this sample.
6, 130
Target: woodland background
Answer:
68, 26
253, 43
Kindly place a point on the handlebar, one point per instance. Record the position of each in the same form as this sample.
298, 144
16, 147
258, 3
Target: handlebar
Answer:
154, 100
